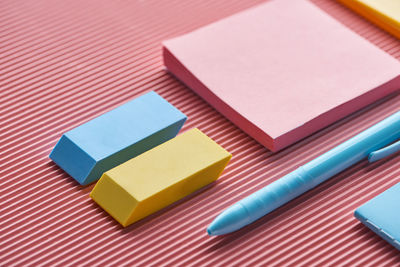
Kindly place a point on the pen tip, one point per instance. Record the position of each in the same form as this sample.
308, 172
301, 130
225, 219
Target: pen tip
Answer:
230, 220
209, 231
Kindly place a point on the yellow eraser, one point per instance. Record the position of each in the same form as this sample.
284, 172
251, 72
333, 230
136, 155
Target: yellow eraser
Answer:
384, 13
160, 176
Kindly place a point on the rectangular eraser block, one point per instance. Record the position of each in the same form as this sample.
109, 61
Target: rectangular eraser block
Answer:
160, 176
89, 150
384, 13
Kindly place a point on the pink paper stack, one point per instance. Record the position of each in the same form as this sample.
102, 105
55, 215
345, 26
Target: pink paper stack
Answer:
282, 71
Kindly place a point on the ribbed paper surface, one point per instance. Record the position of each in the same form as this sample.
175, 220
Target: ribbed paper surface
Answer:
65, 62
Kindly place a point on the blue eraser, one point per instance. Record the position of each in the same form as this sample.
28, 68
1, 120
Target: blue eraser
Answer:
117, 136
382, 215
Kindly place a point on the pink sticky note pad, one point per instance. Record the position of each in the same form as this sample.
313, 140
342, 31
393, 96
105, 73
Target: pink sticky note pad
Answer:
283, 70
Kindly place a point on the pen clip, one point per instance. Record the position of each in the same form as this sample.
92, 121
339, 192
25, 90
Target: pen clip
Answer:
384, 152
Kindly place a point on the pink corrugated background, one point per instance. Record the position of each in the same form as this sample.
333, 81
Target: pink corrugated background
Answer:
65, 62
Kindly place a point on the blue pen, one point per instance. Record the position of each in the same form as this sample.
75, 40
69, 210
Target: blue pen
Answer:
309, 175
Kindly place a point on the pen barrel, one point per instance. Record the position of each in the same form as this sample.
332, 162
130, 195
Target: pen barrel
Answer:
355, 149
322, 168
277, 193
